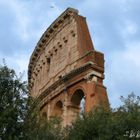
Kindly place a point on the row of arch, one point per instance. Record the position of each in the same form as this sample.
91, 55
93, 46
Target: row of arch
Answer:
77, 102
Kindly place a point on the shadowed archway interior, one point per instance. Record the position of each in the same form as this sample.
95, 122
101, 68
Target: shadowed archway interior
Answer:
78, 100
58, 109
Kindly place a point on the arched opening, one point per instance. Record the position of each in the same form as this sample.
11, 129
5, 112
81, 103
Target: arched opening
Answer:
58, 109
78, 102
44, 115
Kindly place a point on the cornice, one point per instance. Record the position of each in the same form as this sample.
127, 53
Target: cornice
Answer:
66, 78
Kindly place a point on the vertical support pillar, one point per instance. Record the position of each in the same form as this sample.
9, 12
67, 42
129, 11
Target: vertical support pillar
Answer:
89, 91
48, 111
65, 113
95, 94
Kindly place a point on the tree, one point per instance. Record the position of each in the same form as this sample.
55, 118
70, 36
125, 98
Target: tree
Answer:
19, 119
37, 127
13, 104
122, 123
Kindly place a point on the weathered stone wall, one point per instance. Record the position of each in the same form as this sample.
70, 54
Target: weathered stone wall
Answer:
64, 68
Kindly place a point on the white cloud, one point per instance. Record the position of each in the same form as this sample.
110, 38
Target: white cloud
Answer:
132, 55
122, 72
129, 28
21, 18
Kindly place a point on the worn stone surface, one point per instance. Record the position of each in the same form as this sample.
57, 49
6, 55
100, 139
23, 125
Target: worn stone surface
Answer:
65, 68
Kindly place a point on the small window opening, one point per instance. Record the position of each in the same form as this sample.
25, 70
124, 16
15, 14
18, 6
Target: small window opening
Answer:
65, 40
48, 64
56, 51
48, 61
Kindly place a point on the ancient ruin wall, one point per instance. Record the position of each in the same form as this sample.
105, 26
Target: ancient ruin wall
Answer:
65, 67
58, 50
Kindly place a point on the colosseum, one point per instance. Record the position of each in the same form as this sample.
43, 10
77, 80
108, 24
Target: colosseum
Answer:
65, 72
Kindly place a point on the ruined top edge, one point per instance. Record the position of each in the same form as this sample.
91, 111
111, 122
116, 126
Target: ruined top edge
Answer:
72, 9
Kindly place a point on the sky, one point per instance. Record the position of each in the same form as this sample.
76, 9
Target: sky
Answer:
114, 27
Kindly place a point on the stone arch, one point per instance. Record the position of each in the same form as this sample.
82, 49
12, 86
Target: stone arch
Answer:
77, 97
44, 115
57, 109
77, 87
75, 100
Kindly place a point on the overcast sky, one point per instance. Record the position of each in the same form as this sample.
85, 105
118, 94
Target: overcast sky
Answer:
114, 26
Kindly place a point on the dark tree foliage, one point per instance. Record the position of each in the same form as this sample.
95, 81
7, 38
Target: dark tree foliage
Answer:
122, 123
13, 104
20, 118
36, 127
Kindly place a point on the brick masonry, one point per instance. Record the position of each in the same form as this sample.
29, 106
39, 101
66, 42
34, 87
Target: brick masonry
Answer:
65, 68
